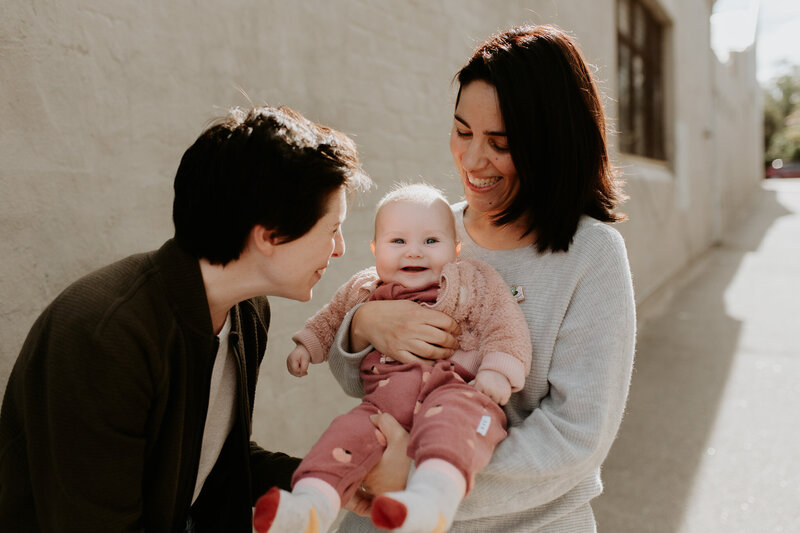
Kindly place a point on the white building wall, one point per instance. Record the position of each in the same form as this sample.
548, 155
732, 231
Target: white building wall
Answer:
99, 100
738, 122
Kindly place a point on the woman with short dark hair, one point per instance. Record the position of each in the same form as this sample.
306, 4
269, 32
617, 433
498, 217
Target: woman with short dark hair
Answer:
130, 405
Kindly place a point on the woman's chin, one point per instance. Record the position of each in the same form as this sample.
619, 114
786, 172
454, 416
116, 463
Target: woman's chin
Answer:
299, 296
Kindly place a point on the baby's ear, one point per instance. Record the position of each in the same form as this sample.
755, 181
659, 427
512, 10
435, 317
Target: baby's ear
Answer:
372, 246
458, 247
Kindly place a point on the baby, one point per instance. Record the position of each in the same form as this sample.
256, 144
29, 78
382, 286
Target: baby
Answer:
451, 409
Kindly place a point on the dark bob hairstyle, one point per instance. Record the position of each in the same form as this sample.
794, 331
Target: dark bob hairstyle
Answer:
268, 166
556, 131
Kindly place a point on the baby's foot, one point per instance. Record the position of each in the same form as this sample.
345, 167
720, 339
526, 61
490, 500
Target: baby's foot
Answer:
406, 512
428, 504
279, 511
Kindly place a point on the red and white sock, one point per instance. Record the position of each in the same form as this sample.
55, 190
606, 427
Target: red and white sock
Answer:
311, 507
428, 504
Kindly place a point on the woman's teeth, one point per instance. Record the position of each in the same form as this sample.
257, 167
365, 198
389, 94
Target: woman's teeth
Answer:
483, 182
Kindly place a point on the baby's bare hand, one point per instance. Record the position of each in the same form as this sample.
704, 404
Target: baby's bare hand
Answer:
494, 385
297, 362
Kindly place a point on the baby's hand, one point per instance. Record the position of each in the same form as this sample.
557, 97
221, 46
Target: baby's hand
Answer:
494, 385
298, 361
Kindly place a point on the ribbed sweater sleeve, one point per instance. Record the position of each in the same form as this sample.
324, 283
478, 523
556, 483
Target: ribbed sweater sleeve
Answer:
344, 364
588, 341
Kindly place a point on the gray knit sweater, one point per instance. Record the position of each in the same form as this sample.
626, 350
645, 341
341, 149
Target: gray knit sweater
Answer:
581, 313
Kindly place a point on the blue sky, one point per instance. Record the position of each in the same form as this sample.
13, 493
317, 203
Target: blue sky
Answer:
775, 24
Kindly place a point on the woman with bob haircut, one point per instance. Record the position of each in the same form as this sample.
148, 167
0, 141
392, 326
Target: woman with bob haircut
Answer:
529, 143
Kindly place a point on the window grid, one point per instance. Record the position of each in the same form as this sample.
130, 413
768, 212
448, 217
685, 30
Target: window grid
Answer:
640, 75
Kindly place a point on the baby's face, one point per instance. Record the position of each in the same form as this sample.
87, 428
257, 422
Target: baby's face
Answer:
413, 242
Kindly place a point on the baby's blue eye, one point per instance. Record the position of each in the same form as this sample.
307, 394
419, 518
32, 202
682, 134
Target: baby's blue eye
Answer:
431, 240
398, 241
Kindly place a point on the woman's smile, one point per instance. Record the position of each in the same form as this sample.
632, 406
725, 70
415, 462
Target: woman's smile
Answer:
482, 184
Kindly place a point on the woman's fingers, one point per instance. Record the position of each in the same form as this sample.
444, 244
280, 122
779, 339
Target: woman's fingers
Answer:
439, 337
427, 326
359, 503
421, 352
405, 356
403, 329
391, 429
440, 321
379, 322
391, 472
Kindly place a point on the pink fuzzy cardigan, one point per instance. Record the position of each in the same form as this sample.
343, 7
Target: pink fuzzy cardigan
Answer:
494, 333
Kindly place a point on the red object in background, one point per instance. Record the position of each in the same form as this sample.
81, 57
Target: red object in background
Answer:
779, 169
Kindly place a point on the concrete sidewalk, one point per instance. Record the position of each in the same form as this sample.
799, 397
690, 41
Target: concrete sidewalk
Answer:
711, 439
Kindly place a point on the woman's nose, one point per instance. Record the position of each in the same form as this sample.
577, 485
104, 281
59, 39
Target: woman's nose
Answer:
473, 157
338, 245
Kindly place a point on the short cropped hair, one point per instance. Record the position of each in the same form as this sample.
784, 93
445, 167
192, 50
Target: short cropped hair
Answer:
268, 166
556, 129
415, 193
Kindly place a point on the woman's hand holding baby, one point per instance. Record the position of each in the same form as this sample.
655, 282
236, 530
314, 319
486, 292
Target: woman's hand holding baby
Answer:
404, 330
391, 472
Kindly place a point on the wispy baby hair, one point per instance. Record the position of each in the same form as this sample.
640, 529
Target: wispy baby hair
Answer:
415, 193
418, 193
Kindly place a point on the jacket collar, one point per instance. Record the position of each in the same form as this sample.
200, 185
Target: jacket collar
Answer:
187, 292
184, 286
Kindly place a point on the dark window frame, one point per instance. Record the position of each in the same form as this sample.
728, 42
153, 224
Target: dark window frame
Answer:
640, 76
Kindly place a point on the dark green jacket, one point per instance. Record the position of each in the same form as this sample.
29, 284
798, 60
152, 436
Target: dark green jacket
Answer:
103, 415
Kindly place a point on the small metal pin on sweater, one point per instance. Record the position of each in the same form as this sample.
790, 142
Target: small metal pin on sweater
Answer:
518, 293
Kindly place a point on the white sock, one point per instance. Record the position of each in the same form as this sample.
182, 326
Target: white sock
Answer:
311, 507
428, 504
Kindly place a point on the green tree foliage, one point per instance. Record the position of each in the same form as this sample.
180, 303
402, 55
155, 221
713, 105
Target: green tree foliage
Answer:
782, 117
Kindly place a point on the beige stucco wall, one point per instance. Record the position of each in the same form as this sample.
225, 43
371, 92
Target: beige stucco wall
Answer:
98, 101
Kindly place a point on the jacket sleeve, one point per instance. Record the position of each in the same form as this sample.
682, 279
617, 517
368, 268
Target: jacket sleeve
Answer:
95, 399
270, 469
319, 331
503, 335
267, 469
566, 437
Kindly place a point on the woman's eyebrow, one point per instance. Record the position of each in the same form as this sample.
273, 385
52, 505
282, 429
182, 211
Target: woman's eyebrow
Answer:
489, 133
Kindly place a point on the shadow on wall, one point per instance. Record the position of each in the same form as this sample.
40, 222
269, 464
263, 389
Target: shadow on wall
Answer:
684, 356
